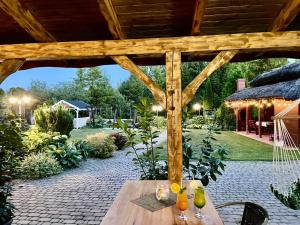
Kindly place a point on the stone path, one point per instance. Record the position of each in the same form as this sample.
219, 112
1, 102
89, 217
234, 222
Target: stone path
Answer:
83, 195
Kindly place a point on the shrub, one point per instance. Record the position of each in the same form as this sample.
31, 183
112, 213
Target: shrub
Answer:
120, 140
84, 148
225, 117
36, 141
67, 155
53, 119
36, 166
159, 122
103, 145
11, 150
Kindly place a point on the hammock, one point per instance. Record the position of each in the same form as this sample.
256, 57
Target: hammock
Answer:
286, 164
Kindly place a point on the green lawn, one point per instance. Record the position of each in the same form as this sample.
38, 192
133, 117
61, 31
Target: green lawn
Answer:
241, 148
80, 134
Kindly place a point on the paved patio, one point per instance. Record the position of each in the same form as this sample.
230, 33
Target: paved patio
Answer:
83, 195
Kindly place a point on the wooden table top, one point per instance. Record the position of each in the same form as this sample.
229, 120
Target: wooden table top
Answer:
124, 212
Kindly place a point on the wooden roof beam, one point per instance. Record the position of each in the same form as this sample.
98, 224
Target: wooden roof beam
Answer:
197, 18
26, 20
191, 89
285, 16
29, 23
127, 64
8, 67
98, 49
110, 15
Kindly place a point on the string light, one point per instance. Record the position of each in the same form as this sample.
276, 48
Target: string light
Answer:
257, 102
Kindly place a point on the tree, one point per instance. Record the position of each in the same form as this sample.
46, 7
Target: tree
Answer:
208, 97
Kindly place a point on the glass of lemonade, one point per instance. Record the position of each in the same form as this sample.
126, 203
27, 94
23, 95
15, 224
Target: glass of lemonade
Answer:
199, 201
182, 203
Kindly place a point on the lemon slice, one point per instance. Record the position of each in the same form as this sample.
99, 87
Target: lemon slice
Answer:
194, 184
175, 188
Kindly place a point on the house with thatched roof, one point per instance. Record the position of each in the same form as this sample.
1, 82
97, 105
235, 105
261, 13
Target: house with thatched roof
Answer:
268, 94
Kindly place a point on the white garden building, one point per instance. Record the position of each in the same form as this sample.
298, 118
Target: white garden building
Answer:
82, 111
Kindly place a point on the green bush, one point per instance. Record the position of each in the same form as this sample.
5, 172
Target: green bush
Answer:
103, 145
159, 122
11, 150
67, 155
84, 148
120, 140
36, 141
55, 119
225, 117
36, 166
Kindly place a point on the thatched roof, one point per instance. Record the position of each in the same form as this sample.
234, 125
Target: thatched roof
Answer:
282, 82
79, 20
285, 73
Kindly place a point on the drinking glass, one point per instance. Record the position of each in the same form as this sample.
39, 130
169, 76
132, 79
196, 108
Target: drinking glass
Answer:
182, 204
199, 201
162, 192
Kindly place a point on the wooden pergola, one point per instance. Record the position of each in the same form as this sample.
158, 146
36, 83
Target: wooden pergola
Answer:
86, 33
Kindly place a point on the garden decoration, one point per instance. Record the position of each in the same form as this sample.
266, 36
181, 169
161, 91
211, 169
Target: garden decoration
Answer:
286, 164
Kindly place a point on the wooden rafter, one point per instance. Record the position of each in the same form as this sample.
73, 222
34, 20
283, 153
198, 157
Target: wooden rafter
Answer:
110, 15
191, 89
7, 67
93, 49
127, 64
174, 115
285, 16
198, 14
26, 20
107, 9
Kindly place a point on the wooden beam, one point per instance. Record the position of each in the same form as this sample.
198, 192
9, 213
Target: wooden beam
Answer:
174, 115
191, 89
127, 64
285, 16
8, 67
198, 14
110, 15
26, 20
93, 49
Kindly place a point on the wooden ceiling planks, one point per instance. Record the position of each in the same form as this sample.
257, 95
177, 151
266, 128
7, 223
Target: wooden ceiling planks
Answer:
70, 20
82, 21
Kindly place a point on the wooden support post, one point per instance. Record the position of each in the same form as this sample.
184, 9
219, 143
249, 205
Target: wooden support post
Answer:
174, 115
259, 122
247, 119
7, 67
236, 112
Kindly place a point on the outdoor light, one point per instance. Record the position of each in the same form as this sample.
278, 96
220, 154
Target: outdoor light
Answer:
197, 107
20, 101
12, 100
26, 99
157, 108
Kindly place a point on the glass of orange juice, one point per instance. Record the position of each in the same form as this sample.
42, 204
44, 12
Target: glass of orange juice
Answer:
182, 200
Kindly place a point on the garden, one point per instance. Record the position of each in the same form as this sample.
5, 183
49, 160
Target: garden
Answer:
122, 121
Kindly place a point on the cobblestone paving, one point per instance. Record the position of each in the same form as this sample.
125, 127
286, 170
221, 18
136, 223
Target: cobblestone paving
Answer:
83, 195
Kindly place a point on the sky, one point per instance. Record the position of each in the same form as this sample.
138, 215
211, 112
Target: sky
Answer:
53, 76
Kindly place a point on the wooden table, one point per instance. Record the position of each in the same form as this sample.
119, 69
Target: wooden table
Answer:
124, 212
